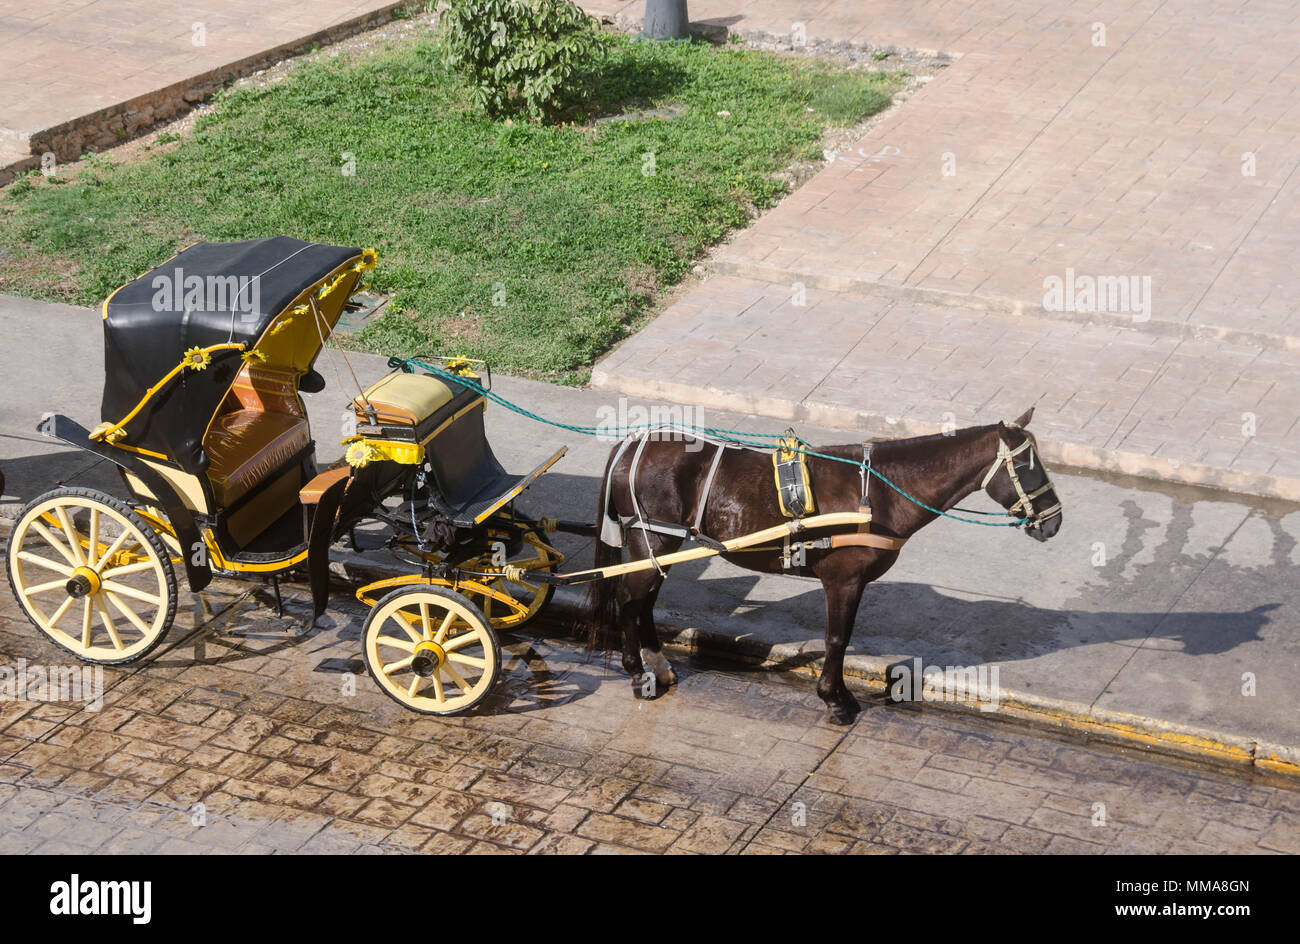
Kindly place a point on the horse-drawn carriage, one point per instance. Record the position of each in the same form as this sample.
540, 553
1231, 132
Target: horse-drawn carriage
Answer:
206, 359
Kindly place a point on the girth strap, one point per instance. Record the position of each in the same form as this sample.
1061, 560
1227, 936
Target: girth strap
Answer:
882, 541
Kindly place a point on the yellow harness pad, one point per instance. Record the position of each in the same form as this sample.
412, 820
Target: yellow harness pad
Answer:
793, 486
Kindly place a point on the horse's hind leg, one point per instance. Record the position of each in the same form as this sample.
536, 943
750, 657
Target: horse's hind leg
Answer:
637, 594
651, 648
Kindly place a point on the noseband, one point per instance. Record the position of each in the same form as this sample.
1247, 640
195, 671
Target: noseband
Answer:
1006, 457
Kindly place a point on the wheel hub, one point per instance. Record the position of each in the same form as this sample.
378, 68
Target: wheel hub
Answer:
428, 656
84, 582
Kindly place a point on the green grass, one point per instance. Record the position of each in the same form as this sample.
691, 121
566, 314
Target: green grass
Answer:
537, 247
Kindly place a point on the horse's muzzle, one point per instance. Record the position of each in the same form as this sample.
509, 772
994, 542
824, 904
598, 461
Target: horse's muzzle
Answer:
1045, 530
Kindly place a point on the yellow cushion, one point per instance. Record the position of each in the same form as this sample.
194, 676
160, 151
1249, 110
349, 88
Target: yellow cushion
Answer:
406, 398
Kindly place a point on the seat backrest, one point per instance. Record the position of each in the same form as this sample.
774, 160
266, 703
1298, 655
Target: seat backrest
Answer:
271, 391
461, 459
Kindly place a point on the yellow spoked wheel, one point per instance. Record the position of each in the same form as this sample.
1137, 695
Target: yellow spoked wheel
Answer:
431, 649
516, 597
92, 575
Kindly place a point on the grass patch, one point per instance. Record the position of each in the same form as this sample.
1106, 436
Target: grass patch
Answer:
537, 247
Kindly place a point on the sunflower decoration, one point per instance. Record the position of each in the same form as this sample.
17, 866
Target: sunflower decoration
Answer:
253, 356
196, 358
361, 453
460, 365
368, 258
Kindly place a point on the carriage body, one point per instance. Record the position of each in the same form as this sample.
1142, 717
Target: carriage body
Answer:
206, 360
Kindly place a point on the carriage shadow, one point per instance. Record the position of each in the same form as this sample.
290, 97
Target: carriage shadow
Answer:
28, 476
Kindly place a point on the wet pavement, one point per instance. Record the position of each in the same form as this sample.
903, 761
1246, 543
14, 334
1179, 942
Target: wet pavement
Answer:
241, 735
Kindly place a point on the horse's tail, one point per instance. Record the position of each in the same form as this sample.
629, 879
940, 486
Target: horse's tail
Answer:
600, 609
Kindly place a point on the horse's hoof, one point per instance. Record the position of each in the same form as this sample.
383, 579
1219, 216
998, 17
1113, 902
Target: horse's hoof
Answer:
656, 662
646, 687
842, 714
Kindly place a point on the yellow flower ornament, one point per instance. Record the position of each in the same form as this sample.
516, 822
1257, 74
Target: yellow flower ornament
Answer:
196, 358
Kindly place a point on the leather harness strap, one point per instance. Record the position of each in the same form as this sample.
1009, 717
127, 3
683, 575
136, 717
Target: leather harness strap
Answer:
882, 541
636, 507
864, 537
708, 487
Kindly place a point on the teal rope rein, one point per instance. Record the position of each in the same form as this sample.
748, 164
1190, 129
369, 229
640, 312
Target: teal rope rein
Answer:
733, 436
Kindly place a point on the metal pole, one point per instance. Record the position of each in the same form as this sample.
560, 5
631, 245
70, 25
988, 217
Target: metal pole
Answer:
666, 19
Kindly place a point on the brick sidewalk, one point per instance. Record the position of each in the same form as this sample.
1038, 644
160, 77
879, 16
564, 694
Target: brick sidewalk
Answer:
81, 73
258, 727
1105, 397
1124, 160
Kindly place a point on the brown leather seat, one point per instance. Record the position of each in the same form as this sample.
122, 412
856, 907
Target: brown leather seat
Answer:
245, 446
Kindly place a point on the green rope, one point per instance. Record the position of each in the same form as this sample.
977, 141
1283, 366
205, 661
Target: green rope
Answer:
733, 436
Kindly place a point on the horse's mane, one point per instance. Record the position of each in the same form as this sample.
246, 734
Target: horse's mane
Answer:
889, 448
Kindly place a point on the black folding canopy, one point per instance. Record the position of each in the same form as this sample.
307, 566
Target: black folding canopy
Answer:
210, 293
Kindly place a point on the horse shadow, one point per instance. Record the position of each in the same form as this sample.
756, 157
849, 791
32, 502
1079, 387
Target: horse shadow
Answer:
957, 627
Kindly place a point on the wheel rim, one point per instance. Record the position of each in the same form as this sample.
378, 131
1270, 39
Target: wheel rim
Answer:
528, 595
89, 578
431, 652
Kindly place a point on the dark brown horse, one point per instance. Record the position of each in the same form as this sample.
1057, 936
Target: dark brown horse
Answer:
671, 477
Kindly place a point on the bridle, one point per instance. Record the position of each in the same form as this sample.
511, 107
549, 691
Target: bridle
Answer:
1007, 457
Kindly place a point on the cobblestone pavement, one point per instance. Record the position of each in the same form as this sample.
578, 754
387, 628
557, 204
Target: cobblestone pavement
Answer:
288, 751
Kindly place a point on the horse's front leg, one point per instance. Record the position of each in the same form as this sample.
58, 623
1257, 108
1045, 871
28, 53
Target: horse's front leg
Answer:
843, 594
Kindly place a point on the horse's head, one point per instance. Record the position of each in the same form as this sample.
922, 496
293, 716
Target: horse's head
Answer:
1018, 481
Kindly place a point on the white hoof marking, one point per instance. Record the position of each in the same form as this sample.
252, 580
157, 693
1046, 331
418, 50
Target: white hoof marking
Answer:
660, 666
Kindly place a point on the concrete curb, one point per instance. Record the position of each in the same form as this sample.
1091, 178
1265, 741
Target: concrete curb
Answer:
1125, 730
739, 267
1202, 745
1065, 455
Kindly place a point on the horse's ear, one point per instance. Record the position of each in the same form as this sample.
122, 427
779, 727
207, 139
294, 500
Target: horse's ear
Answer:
1023, 419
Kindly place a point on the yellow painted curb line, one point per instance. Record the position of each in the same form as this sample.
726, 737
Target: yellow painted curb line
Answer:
1119, 728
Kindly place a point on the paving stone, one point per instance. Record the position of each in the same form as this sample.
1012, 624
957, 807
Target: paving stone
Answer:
898, 781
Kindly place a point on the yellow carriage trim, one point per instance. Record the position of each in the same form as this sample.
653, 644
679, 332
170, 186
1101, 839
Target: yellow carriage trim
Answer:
362, 452
196, 358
